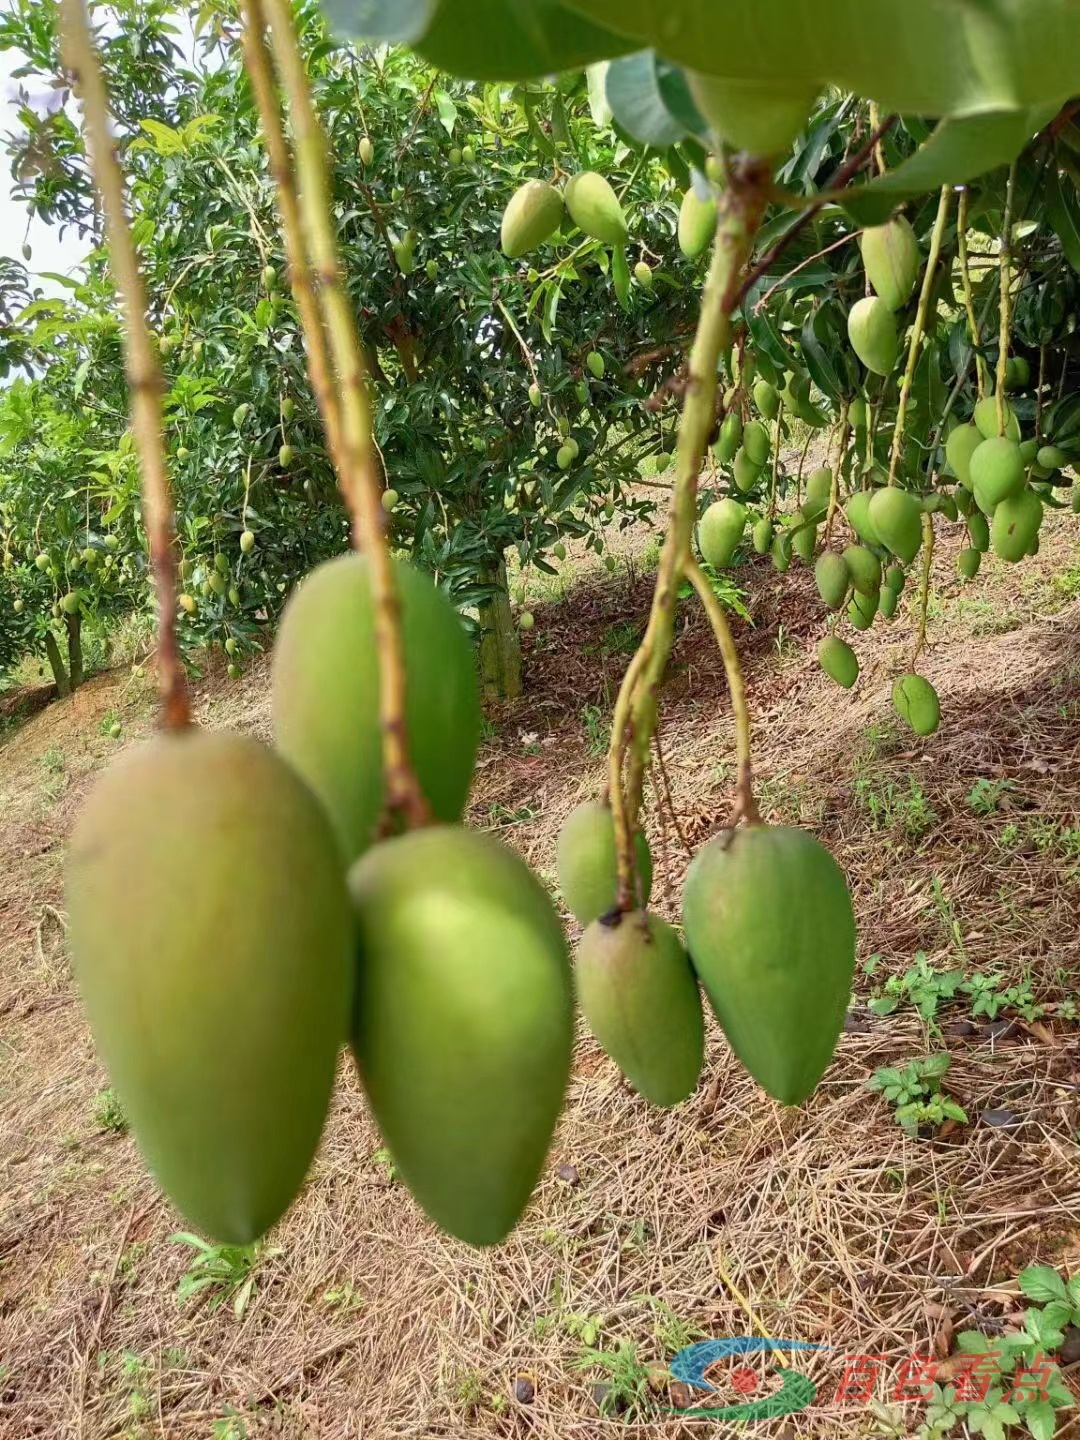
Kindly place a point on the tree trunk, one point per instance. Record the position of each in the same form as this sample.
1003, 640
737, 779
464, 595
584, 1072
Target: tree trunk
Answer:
60, 675
500, 649
75, 655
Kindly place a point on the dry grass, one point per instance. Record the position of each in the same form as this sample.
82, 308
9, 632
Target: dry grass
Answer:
650, 1227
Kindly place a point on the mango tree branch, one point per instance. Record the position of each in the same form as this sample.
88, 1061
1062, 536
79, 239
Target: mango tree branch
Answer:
359, 476
969, 294
260, 73
741, 207
918, 329
745, 805
924, 587
144, 379
1006, 281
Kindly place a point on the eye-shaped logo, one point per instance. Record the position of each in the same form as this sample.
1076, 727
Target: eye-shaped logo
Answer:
796, 1391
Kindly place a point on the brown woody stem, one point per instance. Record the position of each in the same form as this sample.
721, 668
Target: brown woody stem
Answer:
358, 475
918, 329
144, 379
741, 207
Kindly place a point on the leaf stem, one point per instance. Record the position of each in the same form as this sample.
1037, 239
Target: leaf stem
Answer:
918, 329
142, 371
359, 474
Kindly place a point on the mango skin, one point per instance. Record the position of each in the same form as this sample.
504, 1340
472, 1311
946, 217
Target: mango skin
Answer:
838, 660
873, 334
1015, 525
997, 471
891, 257
326, 687
719, 531
818, 494
762, 117
756, 444
897, 517
463, 1023
771, 934
532, 215
857, 510
863, 608
864, 567
959, 448
729, 439
916, 701
697, 224
986, 419
212, 944
833, 578
594, 208
639, 995
587, 864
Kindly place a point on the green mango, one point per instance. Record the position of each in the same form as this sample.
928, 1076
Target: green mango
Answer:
1029, 451
587, 865
838, 660
873, 335
818, 494
211, 941
564, 456
746, 472
864, 568
915, 700
766, 400
639, 996
594, 208
643, 274
761, 116
947, 506
762, 535
964, 500
595, 361
894, 578
863, 608
532, 215
781, 550
771, 934
887, 602
979, 531
697, 224
463, 1023
720, 530
997, 472
804, 538
897, 517
986, 420
833, 578
1015, 525
857, 510
1017, 373
968, 561
857, 413
326, 688
729, 439
755, 443
890, 254
1052, 457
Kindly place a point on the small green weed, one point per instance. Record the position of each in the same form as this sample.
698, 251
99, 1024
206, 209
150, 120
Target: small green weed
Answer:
222, 1272
597, 729
343, 1297
109, 1113
385, 1161
892, 807
621, 638
626, 1376
502, 816
671, 1331
984, 797
228, 1426
916, 1093
920, 985
731, 596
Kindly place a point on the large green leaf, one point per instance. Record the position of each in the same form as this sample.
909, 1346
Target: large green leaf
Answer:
930, 57
957, 151
482, 39
633, 92
1063, 212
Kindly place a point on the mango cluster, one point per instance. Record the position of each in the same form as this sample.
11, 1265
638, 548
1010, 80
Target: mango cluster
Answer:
237, 915
537, 209
768, 933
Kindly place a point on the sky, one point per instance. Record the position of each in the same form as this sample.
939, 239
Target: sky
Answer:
49, 251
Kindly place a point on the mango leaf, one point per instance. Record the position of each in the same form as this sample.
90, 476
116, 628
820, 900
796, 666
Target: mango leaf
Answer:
1063, 211
633, 93
482, 39
596, 79
922, 57
957, 151
448, 112
620, 274
826, 353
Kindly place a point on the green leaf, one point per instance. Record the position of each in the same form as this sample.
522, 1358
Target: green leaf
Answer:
1042, 1282
596, 79
957, 151
620, 274
1040, 1420
448, 111
922, 57
483, 39
1063, 211
633, 93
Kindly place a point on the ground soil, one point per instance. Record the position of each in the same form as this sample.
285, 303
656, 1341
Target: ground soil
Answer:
728, 1215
